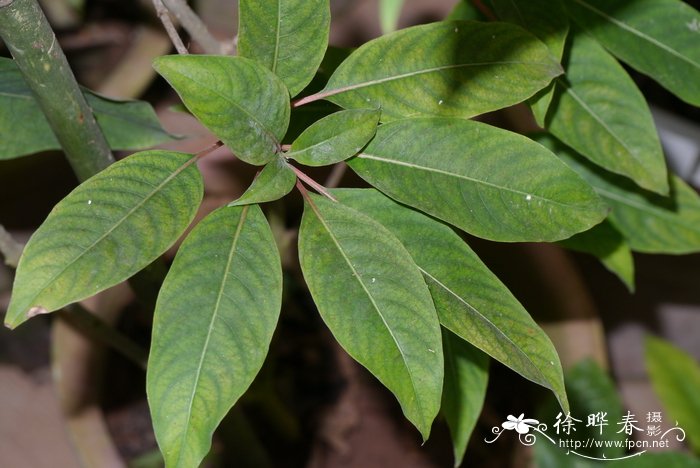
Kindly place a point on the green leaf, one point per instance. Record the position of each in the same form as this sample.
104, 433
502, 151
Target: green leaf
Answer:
471, 68
127, 125
675, 376
598, 111
107, 229
610, 247
373, 298
656, 37
241, 102
213, 323
650, 223
470, 300
335, 138
389, 13
590, 390
274, 181
547, 20
287, 37
466, 376
489, 182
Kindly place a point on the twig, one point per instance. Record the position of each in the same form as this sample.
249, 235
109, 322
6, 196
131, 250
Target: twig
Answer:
209, 149
312, 183
194, 26
93, 327
33, 44
162, 13
336, 175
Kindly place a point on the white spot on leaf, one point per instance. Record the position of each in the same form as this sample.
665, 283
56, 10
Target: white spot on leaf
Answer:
528, 197
89, 202
36, 310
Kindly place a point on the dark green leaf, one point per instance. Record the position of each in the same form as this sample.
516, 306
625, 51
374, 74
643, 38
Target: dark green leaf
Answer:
373, 298
287, 37
274, 181
657, 37
469, 299
335, 138
607, 244
241, 102
107, 229
213, 323
490, 182
598, 111
650, 223
454, 68
547, 20
466, 376
675, 376
24, 129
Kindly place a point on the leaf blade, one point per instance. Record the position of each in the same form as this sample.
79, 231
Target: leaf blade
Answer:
621, 137
641, 36
481, 310
675, 376
650, 223
274, 181
229, 270
241, 102
451, 80
152, 196
374, 291
300, 38
127, 125
610, 247
335, 138
466, 377
485, 191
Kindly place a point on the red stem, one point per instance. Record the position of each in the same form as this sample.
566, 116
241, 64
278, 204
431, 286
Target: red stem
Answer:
313, 184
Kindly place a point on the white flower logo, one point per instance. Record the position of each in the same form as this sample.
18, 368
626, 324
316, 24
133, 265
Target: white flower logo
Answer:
521, 425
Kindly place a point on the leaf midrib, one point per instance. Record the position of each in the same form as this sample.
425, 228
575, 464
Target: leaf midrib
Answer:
491, 325
646, 209
278, 27
462, 176
263, 127
374, 304
581, 102
293, 153
638, 33
136, 207
331, 92
220, 294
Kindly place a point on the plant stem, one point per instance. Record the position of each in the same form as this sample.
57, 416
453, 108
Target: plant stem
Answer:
162, 13
312, 183
32, 42
194, 26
